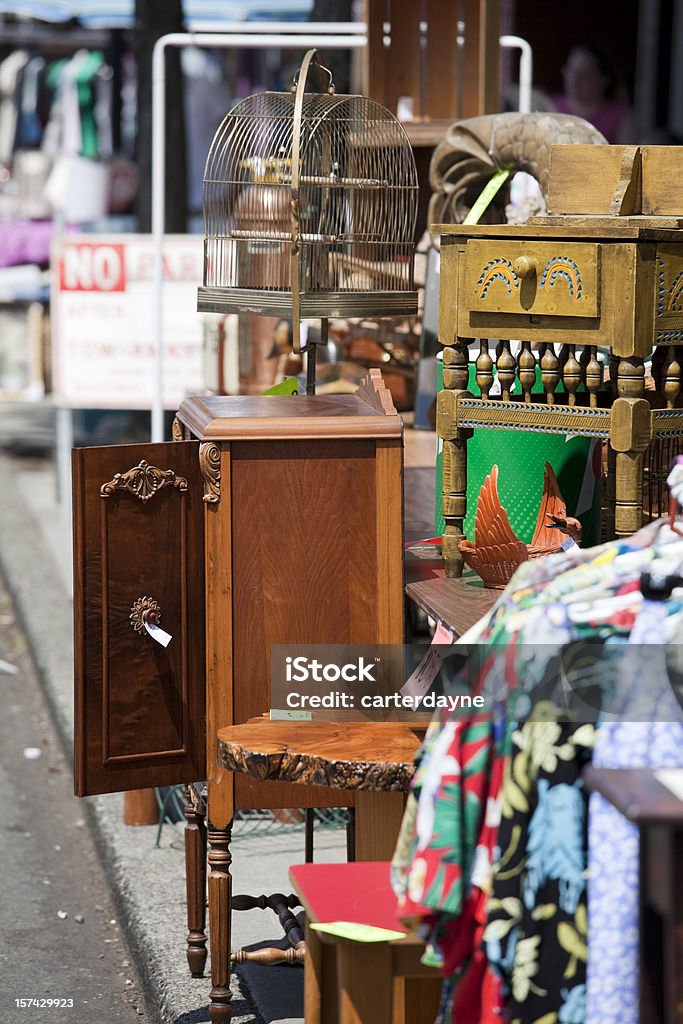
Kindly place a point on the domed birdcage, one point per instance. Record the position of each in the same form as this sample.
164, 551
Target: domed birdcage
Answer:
310, 203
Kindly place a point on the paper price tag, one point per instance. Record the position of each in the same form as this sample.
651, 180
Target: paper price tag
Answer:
158, 634
283, 715
426, 672
442, 635
358, 932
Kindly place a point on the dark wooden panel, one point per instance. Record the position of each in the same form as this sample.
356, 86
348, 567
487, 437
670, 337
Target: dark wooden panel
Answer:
139, 706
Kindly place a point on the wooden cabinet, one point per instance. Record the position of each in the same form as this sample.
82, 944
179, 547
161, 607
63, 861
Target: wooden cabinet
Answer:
269, 520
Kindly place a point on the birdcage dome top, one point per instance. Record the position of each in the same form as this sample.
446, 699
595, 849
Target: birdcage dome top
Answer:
310, 206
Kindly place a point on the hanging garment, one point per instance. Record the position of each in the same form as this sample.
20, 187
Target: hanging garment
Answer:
29, 129
614, 842
11, 71
537, 922
443, 859
546, 660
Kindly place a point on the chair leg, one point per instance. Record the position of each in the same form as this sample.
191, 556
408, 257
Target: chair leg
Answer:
308, 835
220, 894
351, 835
195, 881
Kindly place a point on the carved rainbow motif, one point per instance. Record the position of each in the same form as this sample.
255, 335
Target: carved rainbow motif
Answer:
563, 267
675, 294
497, 270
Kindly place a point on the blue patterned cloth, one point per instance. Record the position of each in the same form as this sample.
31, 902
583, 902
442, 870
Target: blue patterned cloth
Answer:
613, 841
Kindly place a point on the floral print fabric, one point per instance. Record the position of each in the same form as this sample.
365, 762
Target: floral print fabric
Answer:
613, 895
491, 865
537, 921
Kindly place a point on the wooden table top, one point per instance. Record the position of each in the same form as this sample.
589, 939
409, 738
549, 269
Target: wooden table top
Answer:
370, 756
457, 603
637, 794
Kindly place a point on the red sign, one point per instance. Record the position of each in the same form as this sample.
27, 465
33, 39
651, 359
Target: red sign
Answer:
90, 267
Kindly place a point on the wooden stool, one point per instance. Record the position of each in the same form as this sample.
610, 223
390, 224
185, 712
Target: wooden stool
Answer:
350, 982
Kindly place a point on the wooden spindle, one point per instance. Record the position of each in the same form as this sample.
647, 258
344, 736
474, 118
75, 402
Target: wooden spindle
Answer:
571, 373
527, 370
593, 375
506, 370
562, 359
672, 378
484, 367
550, 373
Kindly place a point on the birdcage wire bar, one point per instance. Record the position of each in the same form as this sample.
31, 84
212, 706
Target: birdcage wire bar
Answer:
328, 231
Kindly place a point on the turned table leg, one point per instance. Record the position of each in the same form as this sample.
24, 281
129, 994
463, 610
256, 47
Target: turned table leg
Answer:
630, 428
454, 454
195, 881
220, 892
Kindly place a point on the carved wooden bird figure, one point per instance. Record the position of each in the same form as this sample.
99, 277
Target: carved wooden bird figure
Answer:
497, 551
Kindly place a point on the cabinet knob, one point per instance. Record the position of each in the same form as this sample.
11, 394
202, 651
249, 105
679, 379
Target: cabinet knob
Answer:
145, 609
525, 266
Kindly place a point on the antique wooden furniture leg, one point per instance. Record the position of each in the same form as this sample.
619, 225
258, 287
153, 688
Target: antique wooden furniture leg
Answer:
455, 377
629, 437
220, 886
195, 881
281, 905
378, 822
313, 978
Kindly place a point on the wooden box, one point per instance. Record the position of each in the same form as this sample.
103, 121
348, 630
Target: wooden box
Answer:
586, 180
617, 181
662, 180
269, 520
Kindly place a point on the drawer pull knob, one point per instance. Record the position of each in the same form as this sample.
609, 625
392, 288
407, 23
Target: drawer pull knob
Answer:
144, 618
525, 266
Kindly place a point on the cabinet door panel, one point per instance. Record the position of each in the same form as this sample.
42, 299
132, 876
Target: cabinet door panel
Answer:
138, 552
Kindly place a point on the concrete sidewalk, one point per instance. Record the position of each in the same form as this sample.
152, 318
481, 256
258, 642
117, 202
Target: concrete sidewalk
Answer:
148, 882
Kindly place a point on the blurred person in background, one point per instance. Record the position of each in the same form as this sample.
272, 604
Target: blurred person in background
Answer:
591, 91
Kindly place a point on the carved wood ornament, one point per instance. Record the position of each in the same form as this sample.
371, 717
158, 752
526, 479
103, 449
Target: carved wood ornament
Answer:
145, 609
374, 391
143, 481
210, 466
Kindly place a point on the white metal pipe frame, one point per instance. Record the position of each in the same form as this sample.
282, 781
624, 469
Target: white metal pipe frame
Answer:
272, 35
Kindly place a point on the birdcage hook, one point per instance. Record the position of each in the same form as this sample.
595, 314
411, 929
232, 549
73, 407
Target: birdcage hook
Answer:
313, 57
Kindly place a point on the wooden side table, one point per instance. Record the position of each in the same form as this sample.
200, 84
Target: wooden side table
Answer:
375, 761
658, 813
